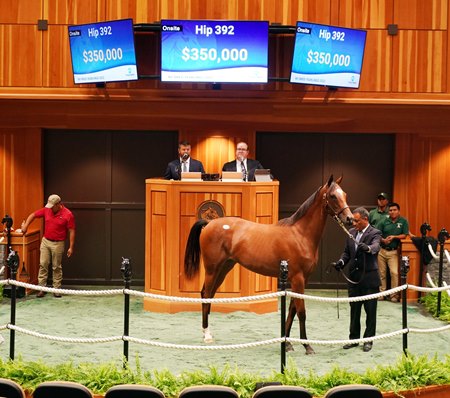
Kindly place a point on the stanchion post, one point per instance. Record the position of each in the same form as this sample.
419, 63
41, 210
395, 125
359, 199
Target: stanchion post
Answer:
13, 264
125, 268
284, 269
404, 269
442, 236
424, 228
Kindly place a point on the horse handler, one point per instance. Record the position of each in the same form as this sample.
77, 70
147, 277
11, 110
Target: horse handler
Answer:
360, 252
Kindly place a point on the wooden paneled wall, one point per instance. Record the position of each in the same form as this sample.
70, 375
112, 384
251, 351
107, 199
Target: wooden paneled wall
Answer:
413, 61
21, 183
404, 90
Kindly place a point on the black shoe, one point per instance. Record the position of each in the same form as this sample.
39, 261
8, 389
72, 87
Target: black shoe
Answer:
57, 295
367, 347
350, 345
41, 294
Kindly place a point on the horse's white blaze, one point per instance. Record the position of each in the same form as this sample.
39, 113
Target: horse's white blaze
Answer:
226, 226
207, 336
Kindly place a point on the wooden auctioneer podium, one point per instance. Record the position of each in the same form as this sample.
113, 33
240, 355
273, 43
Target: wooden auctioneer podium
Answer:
172, 207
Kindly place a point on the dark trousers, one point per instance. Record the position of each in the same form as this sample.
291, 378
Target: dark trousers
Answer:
370, 307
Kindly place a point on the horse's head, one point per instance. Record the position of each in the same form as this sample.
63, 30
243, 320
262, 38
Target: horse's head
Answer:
336, 201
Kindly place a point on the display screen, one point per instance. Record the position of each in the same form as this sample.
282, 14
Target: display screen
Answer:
103, 52
214, 51
327, 55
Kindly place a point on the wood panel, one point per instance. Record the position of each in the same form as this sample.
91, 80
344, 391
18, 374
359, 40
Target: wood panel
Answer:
420, 62
280, 11
419, 14
366, 14
73, 12
21, 60
421, 180
20, 12
57, 66
21, 181
376, 72
217, 146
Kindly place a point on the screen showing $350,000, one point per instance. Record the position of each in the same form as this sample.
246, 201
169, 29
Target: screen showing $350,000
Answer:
214, 51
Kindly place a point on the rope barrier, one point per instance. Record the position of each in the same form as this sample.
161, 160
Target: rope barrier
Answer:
430, 281
219, 300
222, 300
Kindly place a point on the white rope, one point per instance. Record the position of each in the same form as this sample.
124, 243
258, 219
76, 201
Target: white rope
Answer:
348, 299
430, 281
206, 347
66, 292
210, 300
222, 300
63, 339
447, 255
433, 254
339, 342
429, 289
433, 330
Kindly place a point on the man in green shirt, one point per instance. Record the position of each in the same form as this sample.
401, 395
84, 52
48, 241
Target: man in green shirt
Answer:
393, 229
379, 214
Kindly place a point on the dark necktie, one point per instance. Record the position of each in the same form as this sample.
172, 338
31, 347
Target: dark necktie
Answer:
244, 171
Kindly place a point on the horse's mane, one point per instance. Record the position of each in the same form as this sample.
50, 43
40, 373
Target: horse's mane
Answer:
300, 211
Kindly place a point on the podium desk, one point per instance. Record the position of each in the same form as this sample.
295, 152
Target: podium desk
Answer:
172, 207
28, 248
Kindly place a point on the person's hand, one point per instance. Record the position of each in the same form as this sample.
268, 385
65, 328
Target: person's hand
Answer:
69, 252
363, 247
338, 265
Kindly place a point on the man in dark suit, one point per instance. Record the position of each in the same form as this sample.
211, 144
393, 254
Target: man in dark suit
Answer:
183, 163
360, 254
242, 163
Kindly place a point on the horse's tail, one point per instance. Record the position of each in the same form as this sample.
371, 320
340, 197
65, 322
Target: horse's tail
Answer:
192, 253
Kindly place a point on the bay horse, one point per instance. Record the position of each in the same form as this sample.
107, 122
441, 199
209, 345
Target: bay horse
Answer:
225, 241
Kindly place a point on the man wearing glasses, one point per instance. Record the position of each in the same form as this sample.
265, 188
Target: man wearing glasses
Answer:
243, 163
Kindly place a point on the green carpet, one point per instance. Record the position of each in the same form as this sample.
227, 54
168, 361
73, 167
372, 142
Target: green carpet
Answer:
92, 317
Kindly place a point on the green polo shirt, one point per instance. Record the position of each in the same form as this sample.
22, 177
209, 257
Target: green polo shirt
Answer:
399, 227
377, 217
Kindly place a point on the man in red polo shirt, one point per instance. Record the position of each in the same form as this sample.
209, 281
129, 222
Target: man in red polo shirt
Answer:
58, 222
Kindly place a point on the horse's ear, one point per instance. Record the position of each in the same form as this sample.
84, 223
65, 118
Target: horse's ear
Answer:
330, 180
338, 181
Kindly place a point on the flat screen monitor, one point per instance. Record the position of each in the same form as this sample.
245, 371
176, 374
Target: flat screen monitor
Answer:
214, 51
327, 55
103, 52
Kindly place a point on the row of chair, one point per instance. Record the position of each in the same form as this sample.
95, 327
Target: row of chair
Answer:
64, 389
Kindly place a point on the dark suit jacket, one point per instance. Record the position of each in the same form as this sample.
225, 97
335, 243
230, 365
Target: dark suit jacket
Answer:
173, 171
362, 263
252, 165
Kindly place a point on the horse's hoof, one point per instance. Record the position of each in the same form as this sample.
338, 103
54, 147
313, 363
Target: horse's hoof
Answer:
310, 351
289, 347
207, 336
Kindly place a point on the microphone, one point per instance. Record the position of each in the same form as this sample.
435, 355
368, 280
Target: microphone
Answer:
185, 156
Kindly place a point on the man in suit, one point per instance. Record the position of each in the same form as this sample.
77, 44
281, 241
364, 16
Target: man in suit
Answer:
183, 163
242, 163
360, 254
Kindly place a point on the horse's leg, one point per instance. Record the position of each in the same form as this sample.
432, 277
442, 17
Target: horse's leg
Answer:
298, 286
212, 283
206, 309
301, 313
289, 320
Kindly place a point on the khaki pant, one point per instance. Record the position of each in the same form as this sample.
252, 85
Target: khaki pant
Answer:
388, 259
51, 253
